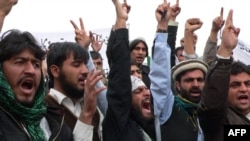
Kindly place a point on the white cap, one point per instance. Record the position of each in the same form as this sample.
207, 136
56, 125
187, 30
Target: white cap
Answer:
136, 82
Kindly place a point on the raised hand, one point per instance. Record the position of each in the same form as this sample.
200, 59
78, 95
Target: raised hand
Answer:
162, 15
175, 11
218, 22
193, 24
90, 96
122, 11
81, 37
229, 36
6, 6
96, 44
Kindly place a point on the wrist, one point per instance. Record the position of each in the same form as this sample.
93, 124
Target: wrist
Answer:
161, 30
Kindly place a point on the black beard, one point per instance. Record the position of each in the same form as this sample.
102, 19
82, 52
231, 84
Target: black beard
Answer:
147, 124
71, 91
186, 94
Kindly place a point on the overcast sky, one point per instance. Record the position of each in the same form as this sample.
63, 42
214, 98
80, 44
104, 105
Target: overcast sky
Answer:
54, 15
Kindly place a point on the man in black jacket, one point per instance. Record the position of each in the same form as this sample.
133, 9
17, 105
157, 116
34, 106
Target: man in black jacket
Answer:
24, 115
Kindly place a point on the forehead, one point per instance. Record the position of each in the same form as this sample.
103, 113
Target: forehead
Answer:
241, 77
193, 74
24, 54
141, 45
97, 59
134, 67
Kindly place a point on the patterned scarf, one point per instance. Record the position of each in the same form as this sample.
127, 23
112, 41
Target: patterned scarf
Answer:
189, 108
30, 116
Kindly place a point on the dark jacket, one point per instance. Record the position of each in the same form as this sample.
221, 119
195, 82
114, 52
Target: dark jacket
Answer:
117, 124
145, 71
12, 130
179, 126
214, 112
172, 32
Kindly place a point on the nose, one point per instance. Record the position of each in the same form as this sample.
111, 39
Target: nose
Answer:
146, 92
29, 68
195, 82
243, 87
84, 69
137, 75
141, 51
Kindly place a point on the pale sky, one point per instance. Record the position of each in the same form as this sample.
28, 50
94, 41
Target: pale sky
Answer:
54, 15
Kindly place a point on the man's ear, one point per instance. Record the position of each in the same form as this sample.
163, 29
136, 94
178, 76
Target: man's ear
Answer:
55, 71
178, 85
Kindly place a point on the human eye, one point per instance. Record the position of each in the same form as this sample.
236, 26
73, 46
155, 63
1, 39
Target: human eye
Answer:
235, 84
37, 64
247, 83
200, 79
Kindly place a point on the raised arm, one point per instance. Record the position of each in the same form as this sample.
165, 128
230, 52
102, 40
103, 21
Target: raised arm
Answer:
191, 26
210, 49
172, 29
214, 100
115, 124
84, 39
160, 74
5, 8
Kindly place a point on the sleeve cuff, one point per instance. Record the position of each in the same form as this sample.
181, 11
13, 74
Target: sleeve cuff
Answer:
221, 57
83, 131
173, 23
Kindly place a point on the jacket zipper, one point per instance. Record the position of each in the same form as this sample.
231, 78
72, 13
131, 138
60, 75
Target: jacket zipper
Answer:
19, 124
61, 124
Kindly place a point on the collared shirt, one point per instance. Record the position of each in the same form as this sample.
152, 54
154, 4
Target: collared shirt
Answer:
160, 76
248, 116
82, 131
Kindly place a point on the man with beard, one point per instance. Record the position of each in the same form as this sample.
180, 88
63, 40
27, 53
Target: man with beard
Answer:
128, 97
24, 115
72, 87
176, 114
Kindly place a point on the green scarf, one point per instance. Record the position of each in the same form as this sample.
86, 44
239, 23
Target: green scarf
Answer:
189, 108
30, 116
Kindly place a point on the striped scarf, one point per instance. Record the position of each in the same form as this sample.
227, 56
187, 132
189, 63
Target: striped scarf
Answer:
189, 108
30, 116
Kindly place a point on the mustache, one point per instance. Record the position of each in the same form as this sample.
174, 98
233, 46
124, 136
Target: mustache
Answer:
27, 77
195, 90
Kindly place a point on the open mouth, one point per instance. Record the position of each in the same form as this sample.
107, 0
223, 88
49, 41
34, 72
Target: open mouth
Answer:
81, 80
243, 98
139, 58
28, 85
146, 105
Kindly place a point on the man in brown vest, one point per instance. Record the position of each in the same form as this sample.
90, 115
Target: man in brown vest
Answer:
72, 87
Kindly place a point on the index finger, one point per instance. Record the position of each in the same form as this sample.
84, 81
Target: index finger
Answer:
125, 1
177, 2
74, 25
221, 12
230, 17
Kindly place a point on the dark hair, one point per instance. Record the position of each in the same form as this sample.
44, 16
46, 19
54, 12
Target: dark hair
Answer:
239, 67
178, 48
135, 42
60, 51
95, 55
14, 42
